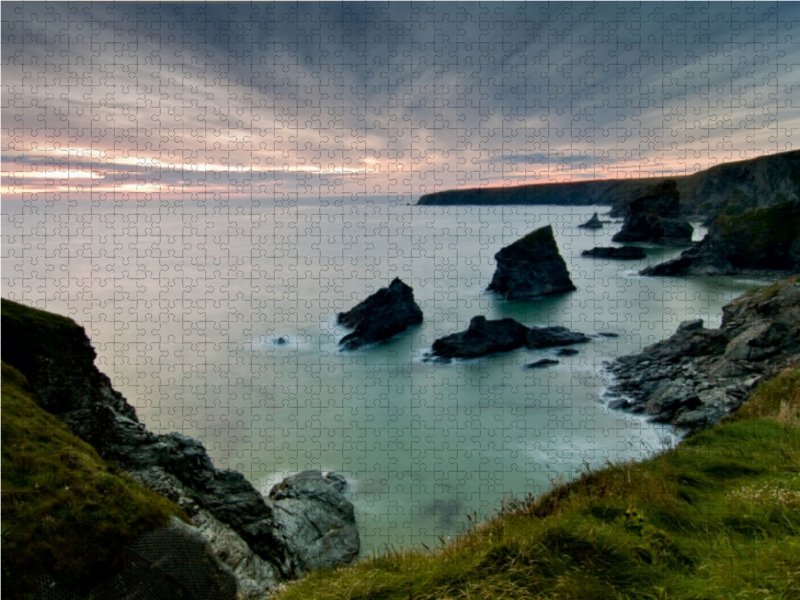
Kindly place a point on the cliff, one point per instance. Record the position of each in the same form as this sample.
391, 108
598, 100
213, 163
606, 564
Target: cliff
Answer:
734, 187
766, 239
56, 357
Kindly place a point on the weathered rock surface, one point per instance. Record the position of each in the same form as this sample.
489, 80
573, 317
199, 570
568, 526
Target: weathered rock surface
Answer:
625, 252
382, 315
481, 338
655, 217
698, 375
317, 521
531, 268
593, 223
549, 337
484, 337
767, 239
58, 360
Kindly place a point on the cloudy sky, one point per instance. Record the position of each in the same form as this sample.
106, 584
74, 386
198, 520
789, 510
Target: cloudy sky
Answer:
147, 100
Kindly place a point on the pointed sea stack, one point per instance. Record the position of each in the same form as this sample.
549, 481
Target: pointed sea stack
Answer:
656, 218
531, 268
593, 223
384, 314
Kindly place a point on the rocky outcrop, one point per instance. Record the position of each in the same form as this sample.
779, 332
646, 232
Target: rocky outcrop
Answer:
531, 268
317, 521
58, 360
623, 253
484, 337
655, 217
767, 239
698, 375
382, 315
593, 223
481, 338
549, 337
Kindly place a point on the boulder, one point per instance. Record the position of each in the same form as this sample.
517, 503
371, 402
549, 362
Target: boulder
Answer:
316, 519
697, 375
625, 252
766, 239
531, 268
382, 315
481, 338
548, 337
593, 223
656, 218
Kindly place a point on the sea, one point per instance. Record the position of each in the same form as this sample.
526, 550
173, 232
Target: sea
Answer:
217, 319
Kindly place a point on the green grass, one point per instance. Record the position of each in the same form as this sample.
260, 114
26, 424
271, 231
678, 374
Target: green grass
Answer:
65, 511
718, 517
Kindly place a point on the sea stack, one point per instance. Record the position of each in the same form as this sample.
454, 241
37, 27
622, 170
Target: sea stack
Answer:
593, 223
382, 315
655, 217
531, 268
481, 338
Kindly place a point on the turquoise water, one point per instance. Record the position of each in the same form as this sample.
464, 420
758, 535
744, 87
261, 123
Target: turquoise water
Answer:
184, 301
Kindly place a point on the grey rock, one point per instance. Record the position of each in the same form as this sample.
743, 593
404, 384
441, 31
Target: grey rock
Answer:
531, 268
655, 217
316, 519
384, 314
548, 337
697, 375
593, 223
623, 253
481, 338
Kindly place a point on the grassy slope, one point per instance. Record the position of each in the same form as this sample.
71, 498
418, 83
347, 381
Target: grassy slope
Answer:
64, 509
718, 517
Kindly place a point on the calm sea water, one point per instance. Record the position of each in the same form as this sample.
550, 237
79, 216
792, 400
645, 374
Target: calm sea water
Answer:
184, 302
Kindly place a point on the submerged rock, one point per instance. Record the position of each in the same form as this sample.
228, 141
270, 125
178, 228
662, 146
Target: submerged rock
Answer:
548, 337
625, 252
767, 239
697, 375
567, 352
482, 337
531, 268
593, 223
382, 315
656, 218
544, 362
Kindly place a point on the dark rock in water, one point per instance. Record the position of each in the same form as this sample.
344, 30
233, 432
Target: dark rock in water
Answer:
607, 334
481, 338
382, 315
544, 362
567, 352
593, 223
767, 239
57, 358
625, 252
531, 268
315, 518
698, 375
281, 341
548, 337
656, 218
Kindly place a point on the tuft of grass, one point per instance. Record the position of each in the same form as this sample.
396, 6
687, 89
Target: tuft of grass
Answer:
717, 517
65, 511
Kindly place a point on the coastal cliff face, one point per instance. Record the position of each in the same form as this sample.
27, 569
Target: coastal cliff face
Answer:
57, 358
767, 239
735, 186
655, 217
698, 375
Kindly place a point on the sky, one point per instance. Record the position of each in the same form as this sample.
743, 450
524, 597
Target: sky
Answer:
143, 101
